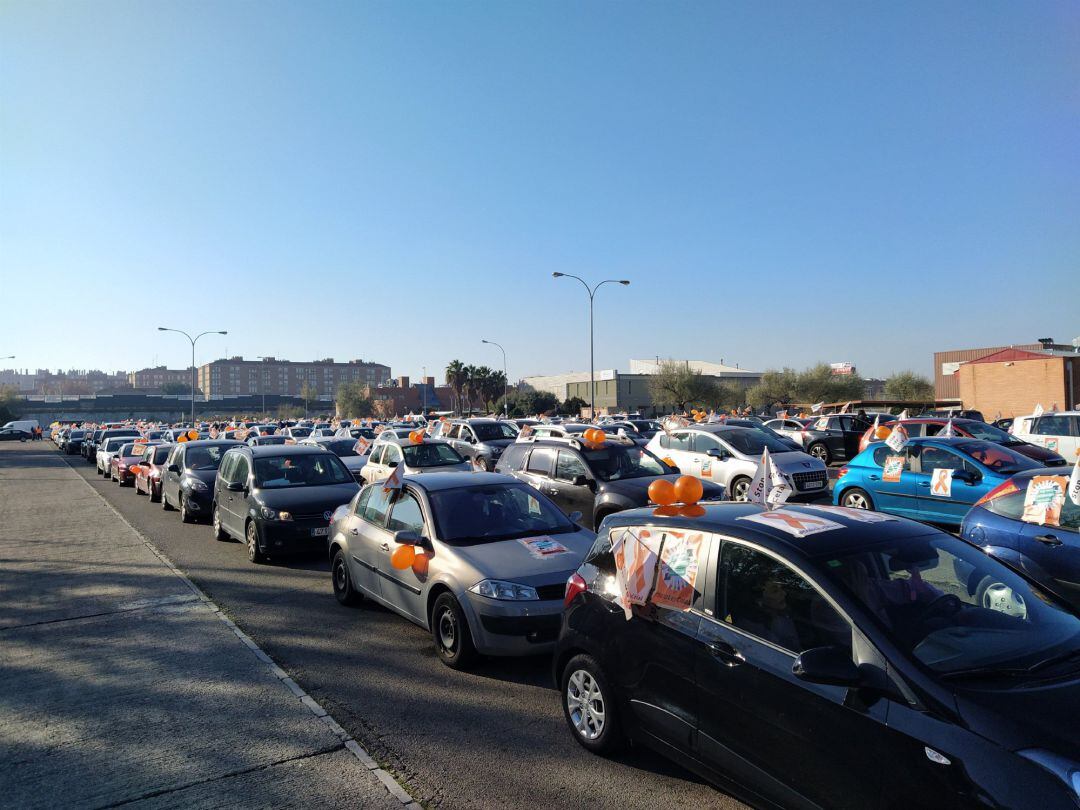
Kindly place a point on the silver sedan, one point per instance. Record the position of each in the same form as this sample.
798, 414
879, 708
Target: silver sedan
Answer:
478, 559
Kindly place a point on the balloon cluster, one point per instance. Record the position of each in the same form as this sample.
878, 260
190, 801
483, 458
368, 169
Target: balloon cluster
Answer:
594, 438
417, 437
409, 556
686, 490
699, 416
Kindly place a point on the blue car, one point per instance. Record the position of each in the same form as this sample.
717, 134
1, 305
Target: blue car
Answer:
1048, 554
978, 467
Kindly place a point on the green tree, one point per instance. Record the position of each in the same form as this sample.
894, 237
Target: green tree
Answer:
455, 379
481, 385
9, 403
724, 396
819, 384
351, 402
909, 386
573, 406
677, 385
530, 403
775, 387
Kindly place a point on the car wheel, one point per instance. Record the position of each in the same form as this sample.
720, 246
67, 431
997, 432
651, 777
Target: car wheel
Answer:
589, 706
185, 515
995, 595
344, 591
821, 452
481, 464
219, 533
453, 640
856, 498
165, 505
254, 551
740, 488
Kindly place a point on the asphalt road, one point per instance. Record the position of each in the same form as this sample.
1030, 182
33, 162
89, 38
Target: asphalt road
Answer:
487, 738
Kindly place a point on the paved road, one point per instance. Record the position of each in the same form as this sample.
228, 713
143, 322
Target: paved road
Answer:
488, 738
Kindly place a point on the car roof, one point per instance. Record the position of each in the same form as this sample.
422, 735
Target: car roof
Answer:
273, 450
723, 518
456, 480
211, 443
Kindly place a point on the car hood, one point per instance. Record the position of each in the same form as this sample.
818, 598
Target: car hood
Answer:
1035, 716
796, 461
1040, 454
500, 444
354, 462
308, 500
637, 489
512, 559
206, 476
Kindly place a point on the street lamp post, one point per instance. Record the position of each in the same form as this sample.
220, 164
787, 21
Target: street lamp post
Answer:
262, 387
592, 294
506, 379
193, 341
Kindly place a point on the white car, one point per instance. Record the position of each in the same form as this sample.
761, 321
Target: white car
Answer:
1058, 431
791, 428
430, 456
109, 449
730, 456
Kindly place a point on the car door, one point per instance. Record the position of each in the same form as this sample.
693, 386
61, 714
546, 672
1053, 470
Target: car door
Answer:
897, 497
221, 491
1055, 549
373, 470
706, 467
798, 743
404, 587
935, 506
567, 488
676, 446
363, 575
539, 472
170, 478
851, 431
371, 539
1057, 432
236, 509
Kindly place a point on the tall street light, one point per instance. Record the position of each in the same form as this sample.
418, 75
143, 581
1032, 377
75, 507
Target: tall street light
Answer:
592, 294
506, 379
262, 387
193, 340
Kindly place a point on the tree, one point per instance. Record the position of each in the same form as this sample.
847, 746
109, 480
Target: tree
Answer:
573, 406
175, 388
773, 388
815, 384
308, 393
909, 386
9, 401
529, 403
496, 386
468, 390
677, 385
351, 402
384, 408
455, 379
724, 396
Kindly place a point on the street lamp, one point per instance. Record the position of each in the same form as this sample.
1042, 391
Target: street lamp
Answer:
592, 293
262, 387
193, 340
506, 379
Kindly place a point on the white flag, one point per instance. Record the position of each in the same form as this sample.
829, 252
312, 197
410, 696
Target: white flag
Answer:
948, 432
1074, 483
903, 414
393, 481
846, 408
897, 438
1038, 410
816, 408
769, 487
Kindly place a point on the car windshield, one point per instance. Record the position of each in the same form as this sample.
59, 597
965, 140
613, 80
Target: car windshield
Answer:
431, 454
263, 441
752, 441
497, 430
299, 433
953, 608
618, 463
484, 514
988, 433
307, 470
997, 458
204, 458
129, 449
341, 447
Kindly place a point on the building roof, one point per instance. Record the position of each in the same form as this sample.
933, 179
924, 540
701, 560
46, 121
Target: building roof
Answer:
1006, 355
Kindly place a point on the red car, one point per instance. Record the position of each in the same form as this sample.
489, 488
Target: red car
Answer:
970, 428
124, 459
149, 469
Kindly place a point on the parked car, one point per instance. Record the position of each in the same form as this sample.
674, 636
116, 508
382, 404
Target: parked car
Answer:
729, 457
73, 443
626, 430
149, 470
104, 435
790, 428
430, 456
14, 435
345, 449
850, 668
590, 483
267, 439
1048, 553
1058, 432
280, 499
494, 556
757, 424
970, 428
355, 432
977, 467
297, 432
190, 473
108, 447
834, 437
129, 455
481, 441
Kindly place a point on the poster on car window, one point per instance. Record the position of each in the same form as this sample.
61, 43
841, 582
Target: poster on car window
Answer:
941, 482
661, 569
822, 423
635, 567
1044, 498
897, 438
680, 560
892, 469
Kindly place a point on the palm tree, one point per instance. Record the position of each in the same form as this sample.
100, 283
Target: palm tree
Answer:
496, 386
482, 384
455, 378
468, 388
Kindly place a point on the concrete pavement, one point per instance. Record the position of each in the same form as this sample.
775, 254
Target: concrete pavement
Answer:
122, 683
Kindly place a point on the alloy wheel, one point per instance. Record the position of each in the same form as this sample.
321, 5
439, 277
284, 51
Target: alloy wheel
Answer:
741, 490
585, 703
856, 500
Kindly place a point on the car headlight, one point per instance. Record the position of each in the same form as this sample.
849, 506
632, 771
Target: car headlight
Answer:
196, 485
266, 513
509, 591
1062, 767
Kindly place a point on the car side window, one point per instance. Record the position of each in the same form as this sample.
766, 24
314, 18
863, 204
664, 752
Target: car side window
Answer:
938, 458
762, 596
679, 440
375, 509
361, 500
376, 454
514, 456
704, 442
1051, 426
226, 470
407, 515
240, 470
569, 466
391, 453
540, 461
883, 452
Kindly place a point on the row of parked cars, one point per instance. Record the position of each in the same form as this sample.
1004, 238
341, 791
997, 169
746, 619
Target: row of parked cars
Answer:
819, 656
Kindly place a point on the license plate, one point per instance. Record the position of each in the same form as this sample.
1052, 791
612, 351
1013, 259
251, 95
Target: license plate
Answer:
814, 484
323, 532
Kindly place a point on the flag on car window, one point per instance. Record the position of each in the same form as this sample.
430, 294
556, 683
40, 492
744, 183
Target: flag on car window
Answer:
768, 487
1038, 410
1074, 483
361, 446
393, 481
948, 432
897, 438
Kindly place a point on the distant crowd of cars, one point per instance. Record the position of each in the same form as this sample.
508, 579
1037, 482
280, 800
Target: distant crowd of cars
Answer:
831, 652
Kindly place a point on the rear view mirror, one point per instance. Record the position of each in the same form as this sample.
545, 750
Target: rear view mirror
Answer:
173, 468
407, 537
827, 665
235, 486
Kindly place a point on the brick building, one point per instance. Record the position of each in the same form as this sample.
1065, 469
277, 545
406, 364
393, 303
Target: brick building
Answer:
947, 364
412, 397
1012, 382
269, 375
153, 379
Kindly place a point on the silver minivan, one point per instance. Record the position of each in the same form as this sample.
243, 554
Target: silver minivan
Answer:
478, 559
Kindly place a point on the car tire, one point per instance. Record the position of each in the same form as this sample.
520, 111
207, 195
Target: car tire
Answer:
165, 505
251, 540
185, 515
481, 464
856, 498
344, 591
219, 533
739, 488
820, 450
589, 706
450, 630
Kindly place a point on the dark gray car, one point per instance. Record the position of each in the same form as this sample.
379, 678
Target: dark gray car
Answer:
482, 441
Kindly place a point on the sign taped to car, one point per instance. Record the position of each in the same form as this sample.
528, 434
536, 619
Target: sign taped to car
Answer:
892, 469
661, 569
897, 438
861, 515
941, 482
1043, 500
796, 524
543, 547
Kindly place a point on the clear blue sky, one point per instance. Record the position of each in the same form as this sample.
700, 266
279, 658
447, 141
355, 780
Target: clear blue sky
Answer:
783, 183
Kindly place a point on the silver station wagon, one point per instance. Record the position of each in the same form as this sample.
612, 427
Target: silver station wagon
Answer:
478, 559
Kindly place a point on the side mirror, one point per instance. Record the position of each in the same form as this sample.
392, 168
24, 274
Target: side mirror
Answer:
580, 480
173, 468
235, 486
717, 452
391, 464
967, 476
827, 665
407, 537
575, 517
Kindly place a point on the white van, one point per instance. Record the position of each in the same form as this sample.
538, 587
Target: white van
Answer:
29, 425
1058, 431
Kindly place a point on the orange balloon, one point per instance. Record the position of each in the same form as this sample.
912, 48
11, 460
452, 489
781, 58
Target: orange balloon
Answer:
662, 491
417, 437
670, 462
882, 432
403, 557
688, 490
666, 511
420, 565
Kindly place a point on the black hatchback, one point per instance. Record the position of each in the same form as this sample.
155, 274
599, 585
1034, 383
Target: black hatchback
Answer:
811, 656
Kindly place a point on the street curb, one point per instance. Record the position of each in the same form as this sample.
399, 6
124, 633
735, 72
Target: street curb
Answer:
393, 787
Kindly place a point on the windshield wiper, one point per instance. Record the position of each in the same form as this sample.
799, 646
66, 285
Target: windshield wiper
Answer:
985, 672
1054, 659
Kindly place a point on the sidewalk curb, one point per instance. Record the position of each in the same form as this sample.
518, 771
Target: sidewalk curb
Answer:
393, 787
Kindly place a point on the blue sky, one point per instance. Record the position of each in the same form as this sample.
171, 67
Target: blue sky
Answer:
783, 183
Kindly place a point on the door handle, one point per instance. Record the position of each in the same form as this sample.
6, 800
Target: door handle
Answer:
726, 653
1048, 539
385, 546
874, 477
354, 530
553, 491
924, 483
